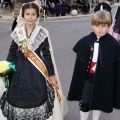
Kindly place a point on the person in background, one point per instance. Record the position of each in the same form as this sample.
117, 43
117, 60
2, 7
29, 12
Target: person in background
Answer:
86, 7
58, 7
103, 6
62, 7
6, 3
43, 7
96, 78
17, 6
52, 9
80, 4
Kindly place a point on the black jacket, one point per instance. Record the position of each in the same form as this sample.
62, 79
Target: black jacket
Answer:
106, 87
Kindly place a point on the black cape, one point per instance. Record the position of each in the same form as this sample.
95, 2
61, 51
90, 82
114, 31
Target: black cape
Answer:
106, 87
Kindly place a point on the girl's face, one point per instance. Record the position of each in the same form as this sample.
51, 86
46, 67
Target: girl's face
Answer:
101, 1
100, 30
30, 16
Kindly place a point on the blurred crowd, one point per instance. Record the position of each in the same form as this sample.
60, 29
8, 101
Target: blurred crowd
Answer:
53, 8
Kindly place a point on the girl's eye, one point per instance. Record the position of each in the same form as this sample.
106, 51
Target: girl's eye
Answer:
27, 13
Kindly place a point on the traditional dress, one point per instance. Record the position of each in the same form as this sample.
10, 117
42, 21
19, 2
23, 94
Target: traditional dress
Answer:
31, 96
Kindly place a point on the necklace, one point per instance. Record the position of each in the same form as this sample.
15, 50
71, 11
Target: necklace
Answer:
28, 36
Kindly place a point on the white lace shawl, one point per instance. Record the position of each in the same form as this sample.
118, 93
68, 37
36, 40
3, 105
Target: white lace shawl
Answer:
37, 37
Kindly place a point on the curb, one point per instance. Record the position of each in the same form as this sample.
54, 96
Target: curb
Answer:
10, 18
65, 17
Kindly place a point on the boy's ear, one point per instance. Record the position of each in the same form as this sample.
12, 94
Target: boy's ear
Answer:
92, 27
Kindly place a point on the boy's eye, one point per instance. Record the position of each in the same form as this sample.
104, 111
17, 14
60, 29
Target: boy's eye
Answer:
97, 25
104, 25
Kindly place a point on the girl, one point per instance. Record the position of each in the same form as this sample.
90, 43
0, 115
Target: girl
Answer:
34, 92
96, 78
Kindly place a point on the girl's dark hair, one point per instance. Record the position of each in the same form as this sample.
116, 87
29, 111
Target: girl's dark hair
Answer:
28, 6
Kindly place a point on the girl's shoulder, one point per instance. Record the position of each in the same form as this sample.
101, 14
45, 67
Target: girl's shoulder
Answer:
41, 29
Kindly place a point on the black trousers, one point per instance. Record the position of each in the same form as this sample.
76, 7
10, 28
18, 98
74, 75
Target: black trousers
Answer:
86, 95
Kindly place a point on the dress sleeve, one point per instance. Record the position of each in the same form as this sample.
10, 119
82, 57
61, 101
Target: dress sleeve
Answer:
12, 51
47, 57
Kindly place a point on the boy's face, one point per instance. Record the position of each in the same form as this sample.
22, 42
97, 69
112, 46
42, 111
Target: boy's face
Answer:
100, 30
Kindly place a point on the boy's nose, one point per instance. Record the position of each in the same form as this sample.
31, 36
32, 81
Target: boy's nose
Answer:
100, 28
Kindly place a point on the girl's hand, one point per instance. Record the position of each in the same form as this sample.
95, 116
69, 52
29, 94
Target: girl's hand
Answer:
53, 79
3, 79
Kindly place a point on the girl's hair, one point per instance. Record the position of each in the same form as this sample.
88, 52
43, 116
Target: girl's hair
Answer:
30, 5
101, 17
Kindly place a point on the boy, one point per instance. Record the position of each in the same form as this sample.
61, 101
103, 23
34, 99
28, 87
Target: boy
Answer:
96, 78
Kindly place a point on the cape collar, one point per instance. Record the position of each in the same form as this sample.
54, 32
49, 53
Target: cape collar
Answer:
94, 37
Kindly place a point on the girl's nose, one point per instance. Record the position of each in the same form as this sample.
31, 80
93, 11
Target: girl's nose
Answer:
30, 16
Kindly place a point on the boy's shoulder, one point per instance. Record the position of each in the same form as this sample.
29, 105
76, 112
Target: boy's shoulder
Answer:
84, 43
88, 38
112, 40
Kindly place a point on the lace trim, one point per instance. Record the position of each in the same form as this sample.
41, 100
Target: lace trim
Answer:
37, 37
42, 112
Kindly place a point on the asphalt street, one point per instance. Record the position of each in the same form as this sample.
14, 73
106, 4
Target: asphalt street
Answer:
64, 34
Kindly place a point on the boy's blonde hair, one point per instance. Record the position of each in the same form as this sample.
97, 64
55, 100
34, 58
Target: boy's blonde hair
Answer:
101, 17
